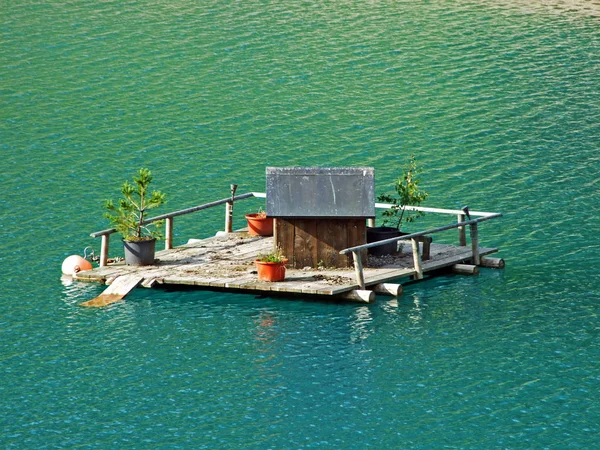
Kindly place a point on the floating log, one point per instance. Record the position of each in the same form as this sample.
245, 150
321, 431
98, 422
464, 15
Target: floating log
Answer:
392, 289
465, 269
116, 291
494, 263
358, 295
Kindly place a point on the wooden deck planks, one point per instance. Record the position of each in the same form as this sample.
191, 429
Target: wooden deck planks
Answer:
119, 288
227, 262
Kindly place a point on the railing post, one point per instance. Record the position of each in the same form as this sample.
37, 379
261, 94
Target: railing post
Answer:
462, 236
168, 233
475, 244
417, 258
104, 250
358, 268
229, 210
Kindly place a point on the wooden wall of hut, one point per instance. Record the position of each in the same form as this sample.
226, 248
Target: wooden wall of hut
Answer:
317, 242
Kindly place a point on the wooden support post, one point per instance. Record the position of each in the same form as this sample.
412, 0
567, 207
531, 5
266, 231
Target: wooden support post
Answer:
168, 233
494, 263
229, 210
228, 217
358, 269
360, 296
388, 289
104, 250
417, 258
462, 236
475, 244
426, 247
371, 222
465, 269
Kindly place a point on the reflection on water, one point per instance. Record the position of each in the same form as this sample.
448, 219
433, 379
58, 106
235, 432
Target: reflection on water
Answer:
360, 325
75, 292
415, 313
497, 98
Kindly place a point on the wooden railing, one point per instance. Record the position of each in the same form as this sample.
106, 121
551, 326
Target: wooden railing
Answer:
169, 218
228, 202
414, 237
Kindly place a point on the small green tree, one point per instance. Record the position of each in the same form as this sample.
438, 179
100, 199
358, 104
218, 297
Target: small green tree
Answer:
129, 216
407, 193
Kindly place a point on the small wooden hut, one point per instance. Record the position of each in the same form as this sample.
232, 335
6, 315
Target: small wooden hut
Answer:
319, 211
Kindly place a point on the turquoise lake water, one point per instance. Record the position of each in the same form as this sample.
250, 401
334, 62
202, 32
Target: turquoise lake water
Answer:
501, 106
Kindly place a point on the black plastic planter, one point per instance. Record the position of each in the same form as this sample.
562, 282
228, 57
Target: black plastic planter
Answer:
375, 234
139, 253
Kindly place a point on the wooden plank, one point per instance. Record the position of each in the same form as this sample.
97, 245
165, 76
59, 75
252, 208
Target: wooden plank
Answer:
357, 235
216, 261
331, 238
454, 258
116, 291
375, 276
339, 241
305, 243
284, 238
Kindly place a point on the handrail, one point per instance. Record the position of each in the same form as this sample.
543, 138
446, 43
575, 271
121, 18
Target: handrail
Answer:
182, 212
434, 210
358, 268
421, 233
105, 234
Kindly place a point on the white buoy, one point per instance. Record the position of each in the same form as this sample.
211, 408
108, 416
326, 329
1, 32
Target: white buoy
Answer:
75, 263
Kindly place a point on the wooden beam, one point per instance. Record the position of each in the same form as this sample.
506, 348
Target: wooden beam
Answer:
392, 289
462, 236
465, 269
148, 283
228, 217
358, 295
417, 259
116, 291
423, 233
104, 250
475, 243
494, 263
169, 233
358, 269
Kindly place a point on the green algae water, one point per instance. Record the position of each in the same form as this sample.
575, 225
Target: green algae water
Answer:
499, 102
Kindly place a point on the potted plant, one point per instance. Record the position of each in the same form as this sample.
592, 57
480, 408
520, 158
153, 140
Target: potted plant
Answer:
271, 266
259, 224
407, 193
129, 215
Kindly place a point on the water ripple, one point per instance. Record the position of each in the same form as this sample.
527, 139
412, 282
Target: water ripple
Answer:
499, 104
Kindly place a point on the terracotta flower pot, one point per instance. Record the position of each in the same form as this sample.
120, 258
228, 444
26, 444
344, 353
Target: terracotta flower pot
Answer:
270, 271
259, 224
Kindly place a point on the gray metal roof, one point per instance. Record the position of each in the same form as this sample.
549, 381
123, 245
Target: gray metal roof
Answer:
320, 192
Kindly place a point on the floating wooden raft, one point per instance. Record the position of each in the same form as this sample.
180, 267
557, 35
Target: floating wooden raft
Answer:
227, 262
